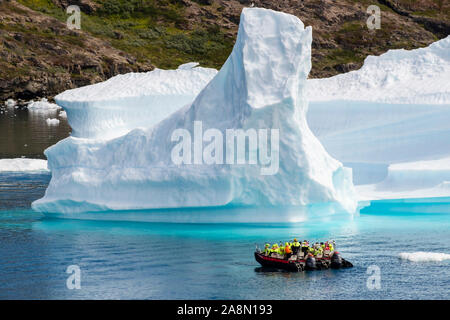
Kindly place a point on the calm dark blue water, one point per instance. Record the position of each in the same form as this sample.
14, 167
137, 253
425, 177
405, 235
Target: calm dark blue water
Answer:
136, 260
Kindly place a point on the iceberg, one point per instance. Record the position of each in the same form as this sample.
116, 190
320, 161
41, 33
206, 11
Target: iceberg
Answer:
389, 122
395, 109
116, 162
419, 179
125, 102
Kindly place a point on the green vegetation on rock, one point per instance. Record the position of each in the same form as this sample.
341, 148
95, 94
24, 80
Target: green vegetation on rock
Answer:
151, 30
40, 56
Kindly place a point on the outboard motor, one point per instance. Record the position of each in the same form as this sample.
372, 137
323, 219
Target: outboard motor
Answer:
310, 262
336, 260
346, 264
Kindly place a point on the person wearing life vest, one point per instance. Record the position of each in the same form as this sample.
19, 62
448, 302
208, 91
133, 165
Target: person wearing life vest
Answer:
275, 249
305, 246
315, 250
319, 251
267, 249
330, 245
287, 250
281, 247
295, 246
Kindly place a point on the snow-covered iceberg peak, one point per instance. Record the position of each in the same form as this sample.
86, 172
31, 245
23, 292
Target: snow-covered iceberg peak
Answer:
273, 57
260, 87
267, 69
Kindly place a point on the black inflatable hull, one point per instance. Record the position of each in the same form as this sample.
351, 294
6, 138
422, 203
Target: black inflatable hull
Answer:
299, 265
270, 262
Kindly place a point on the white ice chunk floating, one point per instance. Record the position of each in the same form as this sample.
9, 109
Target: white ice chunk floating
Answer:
261, 86
10, 103
23, 165
52, 122
421, 256
113, 108
42, 105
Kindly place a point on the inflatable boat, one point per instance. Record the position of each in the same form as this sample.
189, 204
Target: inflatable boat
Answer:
302, 262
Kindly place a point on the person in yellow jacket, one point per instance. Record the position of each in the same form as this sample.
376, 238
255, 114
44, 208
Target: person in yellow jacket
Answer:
281, 249
295, 246
275, 249
305, 247
319, 251
267, 249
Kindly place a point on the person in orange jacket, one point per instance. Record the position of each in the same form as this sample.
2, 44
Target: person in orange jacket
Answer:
287, 250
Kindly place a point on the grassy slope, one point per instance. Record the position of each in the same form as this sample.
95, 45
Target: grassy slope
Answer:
150, 30
159, 31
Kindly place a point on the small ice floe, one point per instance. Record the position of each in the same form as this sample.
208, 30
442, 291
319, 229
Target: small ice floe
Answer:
52, 122
10, 103
23, 165
63, 114
421, 256
42, 105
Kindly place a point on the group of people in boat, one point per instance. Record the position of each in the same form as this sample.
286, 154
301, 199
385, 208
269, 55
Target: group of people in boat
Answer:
298, 248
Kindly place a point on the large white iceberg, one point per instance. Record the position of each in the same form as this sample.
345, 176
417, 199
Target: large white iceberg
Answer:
395, 109
260, 87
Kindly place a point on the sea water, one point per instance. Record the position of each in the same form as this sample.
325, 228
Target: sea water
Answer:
157, 260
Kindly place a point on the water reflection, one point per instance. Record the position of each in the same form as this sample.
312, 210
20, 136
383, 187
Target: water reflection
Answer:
25, 133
